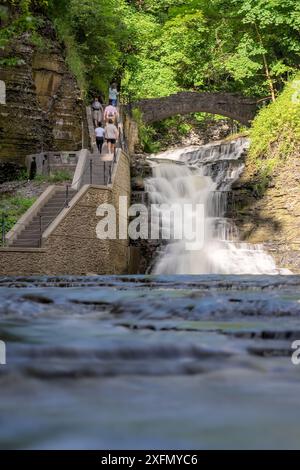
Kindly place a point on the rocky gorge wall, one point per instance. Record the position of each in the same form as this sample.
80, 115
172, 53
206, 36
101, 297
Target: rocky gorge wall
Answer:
44, 109
271, 214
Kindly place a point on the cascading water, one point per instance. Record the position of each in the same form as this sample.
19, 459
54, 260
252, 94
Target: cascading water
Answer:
204, 176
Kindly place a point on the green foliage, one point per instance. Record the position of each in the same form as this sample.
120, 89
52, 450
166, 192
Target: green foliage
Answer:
250, 46
22, 175
59, 176
146, 134
265, 171
18, 19
11, 61
181, 125
39, 41
275, 133
159, 47
13, 207
184, 128
74, 60
147, 139
94, 33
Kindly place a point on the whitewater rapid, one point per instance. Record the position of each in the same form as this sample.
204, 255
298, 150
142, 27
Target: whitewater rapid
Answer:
204, 176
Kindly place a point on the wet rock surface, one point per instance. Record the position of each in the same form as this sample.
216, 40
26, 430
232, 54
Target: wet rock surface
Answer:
210, 130
268, 211
147, 361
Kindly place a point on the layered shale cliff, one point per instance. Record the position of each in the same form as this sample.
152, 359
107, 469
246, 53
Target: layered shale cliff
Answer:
44, 109
271, 214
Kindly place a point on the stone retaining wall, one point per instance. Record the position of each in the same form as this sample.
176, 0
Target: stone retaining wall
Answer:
70, 244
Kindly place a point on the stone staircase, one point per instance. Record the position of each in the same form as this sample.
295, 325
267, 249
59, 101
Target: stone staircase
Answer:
99, 173
95, 169
30, 236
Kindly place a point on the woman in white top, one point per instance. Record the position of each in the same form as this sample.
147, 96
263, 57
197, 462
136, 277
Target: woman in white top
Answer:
111, 135
99, 132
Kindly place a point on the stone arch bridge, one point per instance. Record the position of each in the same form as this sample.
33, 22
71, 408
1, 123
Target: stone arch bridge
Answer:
237, 107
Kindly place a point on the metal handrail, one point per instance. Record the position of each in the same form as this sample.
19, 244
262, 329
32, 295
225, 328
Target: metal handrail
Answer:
3, 226
42, 227
91, 171
65, 205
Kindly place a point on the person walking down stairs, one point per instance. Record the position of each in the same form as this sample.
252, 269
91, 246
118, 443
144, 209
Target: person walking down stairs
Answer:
111, 135
99, 132
97, 109
113, 94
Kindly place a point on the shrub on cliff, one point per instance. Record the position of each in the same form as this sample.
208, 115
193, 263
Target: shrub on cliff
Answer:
275, 133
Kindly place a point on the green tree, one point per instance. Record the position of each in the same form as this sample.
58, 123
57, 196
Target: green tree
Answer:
95, 35
251, 46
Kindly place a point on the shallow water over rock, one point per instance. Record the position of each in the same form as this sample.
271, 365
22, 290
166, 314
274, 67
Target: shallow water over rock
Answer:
150, 362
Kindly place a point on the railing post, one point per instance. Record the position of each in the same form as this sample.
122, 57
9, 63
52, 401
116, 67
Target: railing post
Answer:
41, 231
67, 196
3, 228
110, 174
91, 171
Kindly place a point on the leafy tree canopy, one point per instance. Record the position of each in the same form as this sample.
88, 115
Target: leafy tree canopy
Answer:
157, 47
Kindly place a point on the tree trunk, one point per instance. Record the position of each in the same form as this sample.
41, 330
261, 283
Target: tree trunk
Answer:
266, 66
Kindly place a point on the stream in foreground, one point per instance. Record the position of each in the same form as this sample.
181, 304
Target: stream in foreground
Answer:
195, 362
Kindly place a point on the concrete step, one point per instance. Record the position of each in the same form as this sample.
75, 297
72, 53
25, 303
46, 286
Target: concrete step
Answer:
36, 224
30, 236
60, 197
44, 216
31, 244
50, 208
56, 200
49, 212
53, 207
62, 194
27, 239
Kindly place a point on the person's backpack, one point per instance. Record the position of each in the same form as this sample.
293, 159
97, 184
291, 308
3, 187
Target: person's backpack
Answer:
96, 106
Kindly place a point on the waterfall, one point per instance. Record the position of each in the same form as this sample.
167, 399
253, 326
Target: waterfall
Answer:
204, 176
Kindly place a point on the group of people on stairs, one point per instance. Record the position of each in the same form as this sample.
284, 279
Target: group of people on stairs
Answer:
106, 121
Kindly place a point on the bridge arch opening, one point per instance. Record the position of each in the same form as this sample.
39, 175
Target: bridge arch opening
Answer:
231, 105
